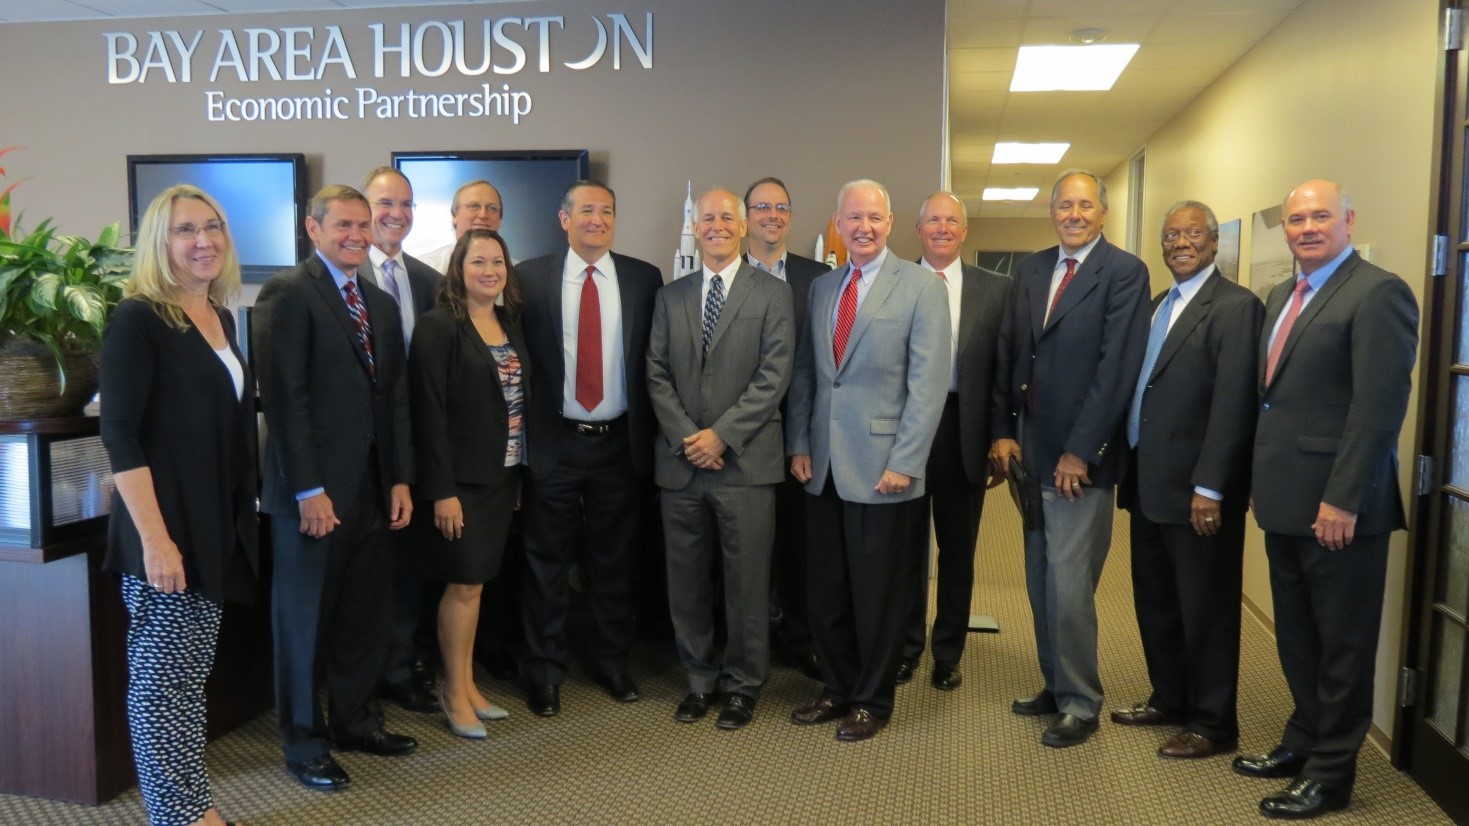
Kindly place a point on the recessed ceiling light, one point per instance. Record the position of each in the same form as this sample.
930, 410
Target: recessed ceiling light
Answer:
998, 193
1070, 68
1029, 152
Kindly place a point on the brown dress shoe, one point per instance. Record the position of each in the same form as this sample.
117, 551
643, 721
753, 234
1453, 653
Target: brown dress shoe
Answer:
1143, 714
860, 725
820, 710
1186, 745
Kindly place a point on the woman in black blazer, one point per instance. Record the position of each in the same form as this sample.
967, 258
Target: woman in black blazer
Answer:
467, 380
178, 421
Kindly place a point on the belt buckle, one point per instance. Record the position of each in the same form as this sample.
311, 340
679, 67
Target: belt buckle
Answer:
591, 428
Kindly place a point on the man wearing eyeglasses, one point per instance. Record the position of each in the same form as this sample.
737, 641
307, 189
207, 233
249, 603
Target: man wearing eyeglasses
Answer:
768, 206
408, 679
1186, 480
476, 205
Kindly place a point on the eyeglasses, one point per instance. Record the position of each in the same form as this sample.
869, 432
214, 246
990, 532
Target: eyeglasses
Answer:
213, 229
1194, 234
493, 209
387, 203
764, 206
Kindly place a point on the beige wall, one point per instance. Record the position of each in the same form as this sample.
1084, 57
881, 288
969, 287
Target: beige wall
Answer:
736, 92
1343, 89
996, 234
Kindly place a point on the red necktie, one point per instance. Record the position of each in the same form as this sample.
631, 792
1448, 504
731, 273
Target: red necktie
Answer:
358, 311
589, 345
846, 314
1298, 299
1065, 282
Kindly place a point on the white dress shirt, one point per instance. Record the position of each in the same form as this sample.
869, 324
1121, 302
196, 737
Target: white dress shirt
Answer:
614, 373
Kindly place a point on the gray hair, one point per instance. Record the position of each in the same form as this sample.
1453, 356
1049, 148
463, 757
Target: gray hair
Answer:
1101, 186
729, 192
1341, 195
1209, 220
851, 185
923, 207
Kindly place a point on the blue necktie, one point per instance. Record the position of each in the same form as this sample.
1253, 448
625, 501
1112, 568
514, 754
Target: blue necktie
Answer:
713, 303
1155, 346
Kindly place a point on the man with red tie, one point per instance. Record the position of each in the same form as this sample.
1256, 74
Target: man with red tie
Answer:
589, 442
1071, 347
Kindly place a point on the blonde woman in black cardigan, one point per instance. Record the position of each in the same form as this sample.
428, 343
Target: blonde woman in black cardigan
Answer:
178, 423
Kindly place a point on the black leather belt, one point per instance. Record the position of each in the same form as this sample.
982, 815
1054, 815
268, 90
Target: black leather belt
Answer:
595, 428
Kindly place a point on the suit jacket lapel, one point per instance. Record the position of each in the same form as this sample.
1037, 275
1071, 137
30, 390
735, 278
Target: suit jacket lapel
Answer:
738, 292
630, 319
1087, 277
882, 287
327, 286
823, 307
969, 301
557, 322
1311, 310
1190, 318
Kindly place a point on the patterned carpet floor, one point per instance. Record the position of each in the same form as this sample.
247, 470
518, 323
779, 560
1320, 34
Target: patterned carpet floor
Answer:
958, 757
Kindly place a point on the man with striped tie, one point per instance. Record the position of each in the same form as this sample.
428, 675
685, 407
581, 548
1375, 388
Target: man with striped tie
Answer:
719, 361
338, 465
866, 396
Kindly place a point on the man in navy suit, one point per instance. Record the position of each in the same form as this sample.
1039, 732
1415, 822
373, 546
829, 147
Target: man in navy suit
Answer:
1336, 365
1070, 351
589, 441
338, 464
408, 679
768, 205
1186, 480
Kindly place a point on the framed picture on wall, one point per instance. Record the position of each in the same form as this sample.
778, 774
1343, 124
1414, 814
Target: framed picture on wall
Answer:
1227, 258
1270, 258
1001, 261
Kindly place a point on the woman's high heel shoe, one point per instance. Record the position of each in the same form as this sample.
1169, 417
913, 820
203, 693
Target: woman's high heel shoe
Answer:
491, 712
473, 731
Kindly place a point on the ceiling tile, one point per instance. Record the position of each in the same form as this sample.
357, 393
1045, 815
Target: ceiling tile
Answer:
1240, 30
984, 33
1118, 29
982, 60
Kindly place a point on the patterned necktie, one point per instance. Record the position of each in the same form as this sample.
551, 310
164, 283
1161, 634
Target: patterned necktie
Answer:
846, 314
713, 303
589, 345
358, 311
1298, 300
1150, 359
1065, 282
390, 281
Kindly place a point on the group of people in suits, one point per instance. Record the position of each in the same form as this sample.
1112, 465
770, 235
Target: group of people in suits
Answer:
1195, 408
802, 427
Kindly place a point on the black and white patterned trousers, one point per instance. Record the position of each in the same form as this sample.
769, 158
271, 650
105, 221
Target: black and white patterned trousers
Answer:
170, 650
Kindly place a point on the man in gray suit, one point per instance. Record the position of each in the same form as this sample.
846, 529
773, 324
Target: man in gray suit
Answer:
408, 679
1070, 352
865, 400
958, 464
1186, 478
1336, 359
719, 361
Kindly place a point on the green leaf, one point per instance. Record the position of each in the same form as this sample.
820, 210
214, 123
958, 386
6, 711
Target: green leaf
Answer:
86, 304
43, 291
108, 236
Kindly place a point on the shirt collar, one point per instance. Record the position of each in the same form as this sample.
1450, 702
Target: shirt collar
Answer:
1080, 255
574, 262
727, 275
1317, 279
1190, 287
871, 268
378, 257
338, 275
954, 270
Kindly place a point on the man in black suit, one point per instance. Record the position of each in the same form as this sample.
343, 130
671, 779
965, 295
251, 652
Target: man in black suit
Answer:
1070, 351
589, 440
1186, 480
958, 463
408, 678
1336, 362
337, 469
768, 206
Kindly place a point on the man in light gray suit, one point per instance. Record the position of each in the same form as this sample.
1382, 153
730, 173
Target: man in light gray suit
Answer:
719, 362
866, 396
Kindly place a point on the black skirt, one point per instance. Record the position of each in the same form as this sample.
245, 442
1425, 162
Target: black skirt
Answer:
475, 556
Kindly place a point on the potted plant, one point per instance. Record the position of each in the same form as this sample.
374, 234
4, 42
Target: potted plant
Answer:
56, 292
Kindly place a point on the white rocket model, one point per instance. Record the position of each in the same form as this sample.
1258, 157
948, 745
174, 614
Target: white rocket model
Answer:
687, 259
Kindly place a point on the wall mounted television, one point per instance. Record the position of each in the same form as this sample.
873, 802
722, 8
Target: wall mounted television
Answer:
530, 182
263, 195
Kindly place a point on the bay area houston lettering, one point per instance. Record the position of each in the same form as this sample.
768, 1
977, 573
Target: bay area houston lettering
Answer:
429, 50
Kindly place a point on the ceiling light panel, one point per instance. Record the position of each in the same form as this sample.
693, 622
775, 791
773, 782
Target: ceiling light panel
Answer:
1029, 152
1070, 68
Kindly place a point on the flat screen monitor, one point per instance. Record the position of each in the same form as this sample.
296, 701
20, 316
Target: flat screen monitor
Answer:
263, 196
530, 182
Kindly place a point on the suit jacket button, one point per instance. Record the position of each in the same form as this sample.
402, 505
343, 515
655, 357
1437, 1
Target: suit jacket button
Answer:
1265, 406
836, 384
1024, 387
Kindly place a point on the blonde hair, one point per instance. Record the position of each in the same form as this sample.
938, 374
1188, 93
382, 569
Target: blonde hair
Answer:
152, 278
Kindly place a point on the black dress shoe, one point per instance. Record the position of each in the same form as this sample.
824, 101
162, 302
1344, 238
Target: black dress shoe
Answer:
693, 707
1143, 714
378, 741
810, 665
1305, 798
410, 696
860, 725
321, 773
423, 674
1037, 706
739, 710
1278, 763
619, 687
544, 700
946, 676
820, 710
905, 670
1069, 730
